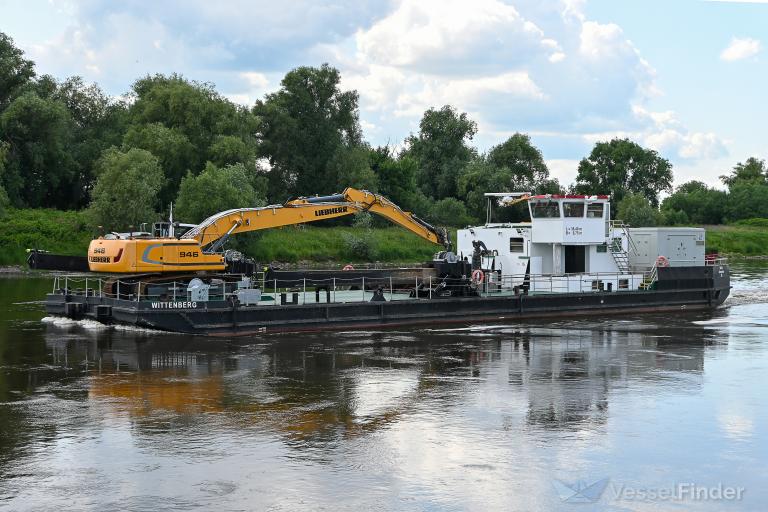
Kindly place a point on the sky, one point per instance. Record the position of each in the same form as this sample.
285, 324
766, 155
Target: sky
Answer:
687, 78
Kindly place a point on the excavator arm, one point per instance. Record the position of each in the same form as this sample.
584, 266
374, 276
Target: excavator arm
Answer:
198, 249
214, 231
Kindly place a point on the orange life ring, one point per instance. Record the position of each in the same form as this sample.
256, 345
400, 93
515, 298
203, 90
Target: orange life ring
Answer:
662, 261
478, 276
348, 267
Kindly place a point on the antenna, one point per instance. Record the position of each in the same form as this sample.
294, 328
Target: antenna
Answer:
170, 219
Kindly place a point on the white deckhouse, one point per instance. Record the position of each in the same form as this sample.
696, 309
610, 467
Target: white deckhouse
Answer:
570, 245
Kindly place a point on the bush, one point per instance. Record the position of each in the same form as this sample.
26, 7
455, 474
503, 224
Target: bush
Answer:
360, 247
674, 218
363, 220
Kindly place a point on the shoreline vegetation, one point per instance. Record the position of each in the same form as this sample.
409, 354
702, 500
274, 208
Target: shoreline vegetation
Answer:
68, 232
120, 161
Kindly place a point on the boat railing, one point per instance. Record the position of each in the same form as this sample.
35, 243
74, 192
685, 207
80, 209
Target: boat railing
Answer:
359, 289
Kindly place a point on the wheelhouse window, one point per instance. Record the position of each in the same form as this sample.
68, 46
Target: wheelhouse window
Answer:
545, 210
573, 209
595, 211
516, 245
602, 248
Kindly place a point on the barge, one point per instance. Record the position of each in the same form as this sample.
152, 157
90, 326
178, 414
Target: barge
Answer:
570, 259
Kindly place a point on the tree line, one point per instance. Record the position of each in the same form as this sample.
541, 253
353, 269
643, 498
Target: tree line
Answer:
68, 145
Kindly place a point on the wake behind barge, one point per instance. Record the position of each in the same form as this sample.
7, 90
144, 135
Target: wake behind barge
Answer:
571, 259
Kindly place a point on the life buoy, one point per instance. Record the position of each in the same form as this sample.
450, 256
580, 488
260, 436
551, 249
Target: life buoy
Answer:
662, 261
478, 276
348, 267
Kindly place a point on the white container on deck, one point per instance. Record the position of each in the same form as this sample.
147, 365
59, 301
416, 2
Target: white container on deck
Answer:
681, 246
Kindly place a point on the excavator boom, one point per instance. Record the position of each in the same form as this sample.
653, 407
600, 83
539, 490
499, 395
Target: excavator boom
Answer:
198, 249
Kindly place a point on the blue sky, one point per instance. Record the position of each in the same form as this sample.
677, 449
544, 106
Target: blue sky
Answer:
685, 77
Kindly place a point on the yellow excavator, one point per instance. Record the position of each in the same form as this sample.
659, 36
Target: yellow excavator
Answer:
199, 248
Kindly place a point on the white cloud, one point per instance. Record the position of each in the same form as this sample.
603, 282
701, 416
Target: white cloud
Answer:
663, 132
451, 37
538, 67
741, 48
600, 41
565, 170
495, 62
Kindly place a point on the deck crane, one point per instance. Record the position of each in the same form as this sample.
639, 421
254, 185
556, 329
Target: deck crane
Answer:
198, 249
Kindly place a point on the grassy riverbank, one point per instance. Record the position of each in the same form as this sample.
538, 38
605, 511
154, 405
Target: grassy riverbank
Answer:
339, 244
738, 240
53, 230
68, 233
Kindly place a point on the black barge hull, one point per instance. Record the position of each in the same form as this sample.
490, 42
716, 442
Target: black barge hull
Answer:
677, 289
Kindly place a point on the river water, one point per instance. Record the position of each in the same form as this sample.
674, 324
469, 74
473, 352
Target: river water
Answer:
618, 413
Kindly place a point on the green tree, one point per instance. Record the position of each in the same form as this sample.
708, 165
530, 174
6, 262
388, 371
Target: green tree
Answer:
172, 148
751, 171
442, 150
39, 166
484, 174
637, 211
303, 125
397, 179
620, 167
481, 176
98, 123
190, 108
747, 199
15, 71
674, 218
700, 203
4, 201
231, 149
449, 212
126, 189
522, 158
214, 190
352, 168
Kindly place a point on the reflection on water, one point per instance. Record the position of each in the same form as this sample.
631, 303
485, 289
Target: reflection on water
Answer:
475, 418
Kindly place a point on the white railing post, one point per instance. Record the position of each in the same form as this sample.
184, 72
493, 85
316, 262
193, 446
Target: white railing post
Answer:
363, 288
430, 287
416, 290
334, 289
390, 289
304, 294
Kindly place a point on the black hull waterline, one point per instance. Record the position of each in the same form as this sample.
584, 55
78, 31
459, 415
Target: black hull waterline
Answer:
678, 288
